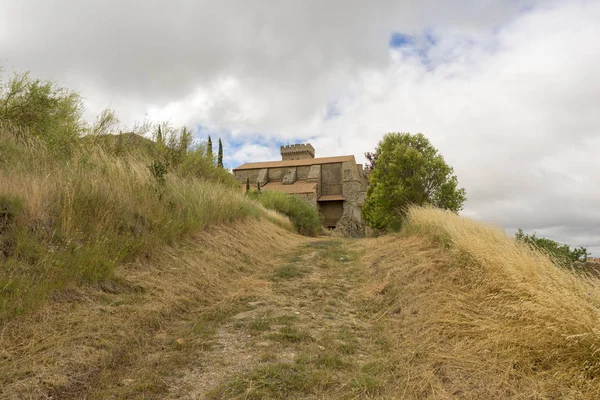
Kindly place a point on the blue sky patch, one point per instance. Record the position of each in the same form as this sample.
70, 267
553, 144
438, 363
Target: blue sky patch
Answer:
333, 111
398, 40
231, 143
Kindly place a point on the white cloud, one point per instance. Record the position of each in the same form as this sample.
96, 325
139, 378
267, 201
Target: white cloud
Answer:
508, 90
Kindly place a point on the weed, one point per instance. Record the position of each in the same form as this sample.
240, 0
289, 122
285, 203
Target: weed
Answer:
367, 385
277, 380
290, 334
289, 271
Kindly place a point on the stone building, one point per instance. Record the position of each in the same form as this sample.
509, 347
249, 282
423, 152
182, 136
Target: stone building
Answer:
335, 185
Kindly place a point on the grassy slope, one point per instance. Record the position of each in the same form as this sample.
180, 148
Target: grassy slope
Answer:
97, 272
477, 315
72, 215
144, 323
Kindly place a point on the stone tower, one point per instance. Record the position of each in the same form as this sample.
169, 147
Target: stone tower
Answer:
297, 152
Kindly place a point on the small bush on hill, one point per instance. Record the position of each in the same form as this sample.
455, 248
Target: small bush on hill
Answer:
559, 253
305, 218
42, 108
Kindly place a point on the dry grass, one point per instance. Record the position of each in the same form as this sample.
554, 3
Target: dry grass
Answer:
73, 216
127, 335
473, 314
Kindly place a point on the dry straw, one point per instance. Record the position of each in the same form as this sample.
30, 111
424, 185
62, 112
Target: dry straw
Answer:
474, 314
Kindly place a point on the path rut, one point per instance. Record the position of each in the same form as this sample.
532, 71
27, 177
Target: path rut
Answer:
310, 336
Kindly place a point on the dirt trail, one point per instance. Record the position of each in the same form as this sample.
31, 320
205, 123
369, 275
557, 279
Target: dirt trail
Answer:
309, 336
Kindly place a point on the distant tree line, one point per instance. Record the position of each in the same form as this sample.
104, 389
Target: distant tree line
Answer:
559, 252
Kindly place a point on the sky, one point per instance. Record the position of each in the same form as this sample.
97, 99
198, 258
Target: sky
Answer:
507, 90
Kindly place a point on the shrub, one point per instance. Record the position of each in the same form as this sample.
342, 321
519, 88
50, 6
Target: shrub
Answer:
559, 253
407, 170
198, 165
42, 108
305, 218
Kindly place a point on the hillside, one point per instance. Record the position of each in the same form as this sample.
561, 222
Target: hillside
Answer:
136, 269
447, 309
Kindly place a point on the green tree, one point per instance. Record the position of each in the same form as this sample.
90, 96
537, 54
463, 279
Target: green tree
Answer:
558, 252
209, 151
247, 185
159, 137
220, 155
406, 169
41, 107
185, 140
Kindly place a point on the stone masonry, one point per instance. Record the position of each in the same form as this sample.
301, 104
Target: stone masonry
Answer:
336, 186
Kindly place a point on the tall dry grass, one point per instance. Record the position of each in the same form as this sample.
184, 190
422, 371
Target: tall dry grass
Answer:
126, 336
474, 314
73, 215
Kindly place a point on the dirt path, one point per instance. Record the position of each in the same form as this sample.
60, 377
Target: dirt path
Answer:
309, 336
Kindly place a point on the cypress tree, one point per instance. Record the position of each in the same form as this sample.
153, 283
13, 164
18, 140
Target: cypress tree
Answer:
258, 186
209, 152
184, 141
247, 185
220, 155
159, 136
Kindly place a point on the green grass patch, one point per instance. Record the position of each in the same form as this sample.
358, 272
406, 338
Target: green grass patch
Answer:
289, 271
72, 216
290, 334
286, 319
274, 382
367, 385
255, 325
306, 219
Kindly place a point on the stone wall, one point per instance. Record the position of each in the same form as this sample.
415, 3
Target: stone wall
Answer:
243, 175
277, 174
302, 172
354, 190
343, 178
310, 198
331, 179
332, 212
297, 152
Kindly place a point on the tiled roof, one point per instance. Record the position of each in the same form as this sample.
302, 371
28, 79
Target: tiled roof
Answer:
295, 163
331, 197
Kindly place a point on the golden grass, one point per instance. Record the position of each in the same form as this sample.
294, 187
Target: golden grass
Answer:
73, 216
474, 314
126, 335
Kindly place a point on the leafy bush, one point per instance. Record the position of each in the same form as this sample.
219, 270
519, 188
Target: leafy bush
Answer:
305, 218
407, 170
560, 253
41, 107
197, 164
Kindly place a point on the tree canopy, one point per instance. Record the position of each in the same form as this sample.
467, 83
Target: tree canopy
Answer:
406, 169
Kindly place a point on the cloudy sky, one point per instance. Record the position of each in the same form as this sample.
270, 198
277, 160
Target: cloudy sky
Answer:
507, 90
